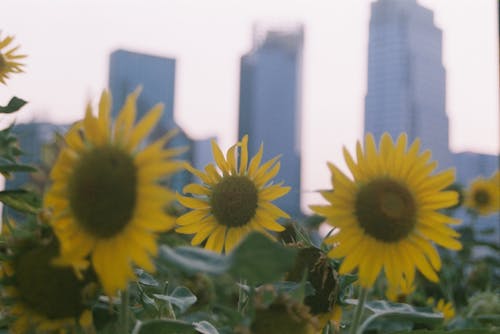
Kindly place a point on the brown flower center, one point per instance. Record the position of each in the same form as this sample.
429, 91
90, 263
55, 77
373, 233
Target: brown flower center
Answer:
103, 190
234, 201
482, 197
386, 210
54, 292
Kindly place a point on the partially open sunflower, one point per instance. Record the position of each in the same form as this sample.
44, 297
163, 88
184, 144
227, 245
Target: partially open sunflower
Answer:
107, 205
9, 59
387, 214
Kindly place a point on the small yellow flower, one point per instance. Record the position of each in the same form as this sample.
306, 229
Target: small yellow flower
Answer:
107, 205
388, 215
446, 308
483, 195
233, 201
9, 60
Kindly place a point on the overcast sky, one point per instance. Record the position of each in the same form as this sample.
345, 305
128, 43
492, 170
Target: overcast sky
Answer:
69, 42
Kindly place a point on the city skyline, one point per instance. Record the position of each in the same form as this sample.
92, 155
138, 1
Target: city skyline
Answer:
207, 44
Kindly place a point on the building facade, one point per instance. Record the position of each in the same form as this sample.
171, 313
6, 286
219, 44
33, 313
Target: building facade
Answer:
270, 103
406, 78
156, 75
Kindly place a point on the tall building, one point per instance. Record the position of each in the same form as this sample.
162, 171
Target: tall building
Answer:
156, 75
406, 78
270, 103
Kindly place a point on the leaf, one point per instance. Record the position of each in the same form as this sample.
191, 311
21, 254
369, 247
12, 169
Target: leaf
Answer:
166, 327
16, 168
204, 327
398, 312
146, 279
257, 260
442, 331
21, 200
260, 260
181, 297
14, 105
192, 260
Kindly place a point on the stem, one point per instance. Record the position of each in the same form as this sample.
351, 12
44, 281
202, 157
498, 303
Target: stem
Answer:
359, 310
123, 324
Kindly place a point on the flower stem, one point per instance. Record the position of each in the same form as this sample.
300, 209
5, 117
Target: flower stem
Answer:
358, 312
123, 315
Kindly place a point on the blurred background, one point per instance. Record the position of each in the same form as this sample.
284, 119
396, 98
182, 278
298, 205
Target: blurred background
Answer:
304, 77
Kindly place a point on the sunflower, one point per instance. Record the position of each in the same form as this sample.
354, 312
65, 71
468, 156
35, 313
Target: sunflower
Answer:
483, 195
387, 214
9, 60
39, 297
105, 198
400, 293
231, 203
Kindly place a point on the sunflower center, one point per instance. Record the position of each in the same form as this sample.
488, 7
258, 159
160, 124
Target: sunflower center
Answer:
386, 210
102, 191
54, 292
234, 201
481, 197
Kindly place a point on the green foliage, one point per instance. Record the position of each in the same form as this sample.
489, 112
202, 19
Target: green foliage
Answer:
14, 105
256, 260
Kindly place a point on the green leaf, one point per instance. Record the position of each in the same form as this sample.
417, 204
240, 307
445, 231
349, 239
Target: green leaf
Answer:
14, 105
397, 312
260, 260
192, 260
181, 297
9, 168
146, 279
204, 327
21, 200
166, 327
257, 260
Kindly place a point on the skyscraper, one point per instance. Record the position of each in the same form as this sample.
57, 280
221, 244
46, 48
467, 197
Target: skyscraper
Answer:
406, 78
156, 75
270, 103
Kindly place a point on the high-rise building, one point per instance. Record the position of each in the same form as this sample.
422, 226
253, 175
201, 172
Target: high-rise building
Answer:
406, 77
156, 75
270, 103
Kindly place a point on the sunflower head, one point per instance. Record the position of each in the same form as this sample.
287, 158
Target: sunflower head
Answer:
387, 212
279, 313
323, 278
9, 59
41, 297
234, 198
483, 195
106, 201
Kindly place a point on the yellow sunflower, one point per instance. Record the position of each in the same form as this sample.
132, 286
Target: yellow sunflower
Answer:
105, 198
233, 201
40, 297
400, 293
9, 60
387, 215
483, 195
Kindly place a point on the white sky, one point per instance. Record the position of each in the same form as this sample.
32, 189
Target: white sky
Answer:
69, 42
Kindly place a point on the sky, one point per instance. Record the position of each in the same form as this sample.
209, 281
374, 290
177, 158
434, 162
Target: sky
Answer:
69, 42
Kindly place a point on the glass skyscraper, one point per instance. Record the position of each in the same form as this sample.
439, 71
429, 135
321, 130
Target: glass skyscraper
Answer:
270, 103
156, 75
406, 77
